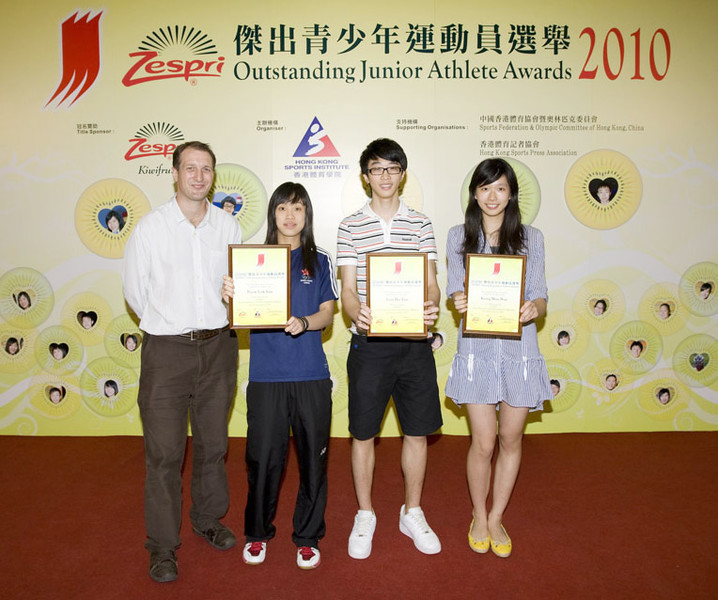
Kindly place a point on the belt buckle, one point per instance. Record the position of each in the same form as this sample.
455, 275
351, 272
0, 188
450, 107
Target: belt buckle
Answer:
191, 335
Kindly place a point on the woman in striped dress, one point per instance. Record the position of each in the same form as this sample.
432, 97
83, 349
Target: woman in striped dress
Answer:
497, 378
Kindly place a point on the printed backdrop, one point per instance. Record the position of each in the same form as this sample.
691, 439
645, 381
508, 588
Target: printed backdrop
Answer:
607, 113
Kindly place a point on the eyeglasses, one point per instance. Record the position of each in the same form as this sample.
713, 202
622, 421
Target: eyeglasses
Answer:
379, 171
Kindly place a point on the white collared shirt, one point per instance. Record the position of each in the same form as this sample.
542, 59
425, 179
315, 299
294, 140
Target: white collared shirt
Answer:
172, 274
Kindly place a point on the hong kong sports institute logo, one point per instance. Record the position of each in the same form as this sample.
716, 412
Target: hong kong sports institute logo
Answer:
316, 142
80, 58
177, 52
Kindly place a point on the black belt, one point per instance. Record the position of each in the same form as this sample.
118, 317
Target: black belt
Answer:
203, 334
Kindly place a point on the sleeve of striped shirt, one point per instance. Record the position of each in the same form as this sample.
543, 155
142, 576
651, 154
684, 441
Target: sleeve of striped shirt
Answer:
456, 269
535, 266
346, 252
427, 242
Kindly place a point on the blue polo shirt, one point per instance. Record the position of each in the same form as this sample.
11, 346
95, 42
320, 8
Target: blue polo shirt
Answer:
277, 356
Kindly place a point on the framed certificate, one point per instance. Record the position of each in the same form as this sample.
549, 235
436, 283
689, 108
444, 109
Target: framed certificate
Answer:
494, 294
262, 278
396, 291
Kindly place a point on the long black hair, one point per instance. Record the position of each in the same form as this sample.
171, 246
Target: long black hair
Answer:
511, 234
290, 192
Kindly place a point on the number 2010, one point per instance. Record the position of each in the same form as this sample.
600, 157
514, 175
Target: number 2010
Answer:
612, 71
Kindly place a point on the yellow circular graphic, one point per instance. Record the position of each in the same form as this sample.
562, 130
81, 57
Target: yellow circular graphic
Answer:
564, 336
59, 350
695, 360
336, 350
602, 303
636, 346
240, 399
123, 341
109, 389
56, 397
106, 213
16, 350
565, 384
698, 289
340, 392
663, 397
237, 184
529, 190
660, 307
88, 315
603, 189
444, 338
339, 350
356, 192
26, 298
610, 384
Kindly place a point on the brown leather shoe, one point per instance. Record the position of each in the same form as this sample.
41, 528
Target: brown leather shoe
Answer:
218, 536
163, 566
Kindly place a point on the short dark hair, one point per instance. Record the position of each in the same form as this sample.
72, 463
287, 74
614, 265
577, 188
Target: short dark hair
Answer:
27, 297
382, 148
637, 343
111, 383
116, 215
228, 200
177, 154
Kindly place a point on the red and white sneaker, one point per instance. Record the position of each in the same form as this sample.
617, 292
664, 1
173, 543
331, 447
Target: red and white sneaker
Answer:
254, 553
308, 558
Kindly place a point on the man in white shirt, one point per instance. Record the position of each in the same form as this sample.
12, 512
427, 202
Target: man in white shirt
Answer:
174, 262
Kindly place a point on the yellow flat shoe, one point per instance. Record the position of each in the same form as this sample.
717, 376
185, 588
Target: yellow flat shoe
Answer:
501, 549
480, 546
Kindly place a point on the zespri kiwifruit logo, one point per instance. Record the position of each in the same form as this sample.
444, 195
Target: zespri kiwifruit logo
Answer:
174, 52
154, 139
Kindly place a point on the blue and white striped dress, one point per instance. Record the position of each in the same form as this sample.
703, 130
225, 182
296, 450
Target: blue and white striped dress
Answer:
489, 369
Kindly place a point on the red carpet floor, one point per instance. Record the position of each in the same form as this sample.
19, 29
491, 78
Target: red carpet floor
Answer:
593, 516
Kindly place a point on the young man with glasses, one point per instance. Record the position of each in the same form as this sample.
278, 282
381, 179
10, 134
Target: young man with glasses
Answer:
380, 368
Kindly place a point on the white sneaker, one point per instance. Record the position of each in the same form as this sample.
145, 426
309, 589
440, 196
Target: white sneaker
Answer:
362, 534
254, 553
413, 523
308, 557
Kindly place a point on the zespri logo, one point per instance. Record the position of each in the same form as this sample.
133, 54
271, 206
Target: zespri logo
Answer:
154, 139
80, 57
178, 52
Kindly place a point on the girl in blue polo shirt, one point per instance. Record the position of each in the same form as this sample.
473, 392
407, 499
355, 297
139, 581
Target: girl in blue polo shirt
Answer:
289, 386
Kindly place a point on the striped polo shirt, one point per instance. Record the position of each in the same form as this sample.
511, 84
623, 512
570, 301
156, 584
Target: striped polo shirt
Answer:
364, 232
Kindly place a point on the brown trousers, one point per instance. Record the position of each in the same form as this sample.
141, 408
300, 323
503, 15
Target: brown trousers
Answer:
181, 377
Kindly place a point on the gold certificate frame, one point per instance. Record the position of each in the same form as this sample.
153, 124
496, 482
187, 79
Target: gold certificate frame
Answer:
396, 289
262, 288
494, 287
